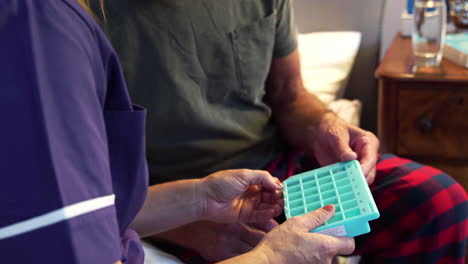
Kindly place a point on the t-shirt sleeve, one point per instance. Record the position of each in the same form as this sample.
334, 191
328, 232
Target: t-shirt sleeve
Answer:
286, 33
56, 193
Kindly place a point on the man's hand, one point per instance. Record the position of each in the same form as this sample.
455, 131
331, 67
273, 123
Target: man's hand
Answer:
333, 140
307, 124
246, 196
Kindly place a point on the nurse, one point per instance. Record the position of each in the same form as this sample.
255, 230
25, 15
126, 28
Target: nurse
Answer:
72, 157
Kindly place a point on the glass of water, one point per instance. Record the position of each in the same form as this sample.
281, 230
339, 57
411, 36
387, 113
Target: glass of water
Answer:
428, 35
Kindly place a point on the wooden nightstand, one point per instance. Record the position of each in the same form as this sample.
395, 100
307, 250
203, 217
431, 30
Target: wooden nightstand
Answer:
424, 116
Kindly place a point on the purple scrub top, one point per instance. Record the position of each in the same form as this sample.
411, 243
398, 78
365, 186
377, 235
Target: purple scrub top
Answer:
72, 160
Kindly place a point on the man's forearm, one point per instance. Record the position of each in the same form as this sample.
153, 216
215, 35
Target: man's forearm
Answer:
295, 110
298, 118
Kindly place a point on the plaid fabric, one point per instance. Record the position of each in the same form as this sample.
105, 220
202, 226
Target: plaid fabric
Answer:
423, 214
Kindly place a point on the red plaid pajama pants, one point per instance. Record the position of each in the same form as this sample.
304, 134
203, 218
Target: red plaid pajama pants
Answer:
423, 214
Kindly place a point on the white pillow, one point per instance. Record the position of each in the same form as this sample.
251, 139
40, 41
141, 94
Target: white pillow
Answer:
326, 61
348, 110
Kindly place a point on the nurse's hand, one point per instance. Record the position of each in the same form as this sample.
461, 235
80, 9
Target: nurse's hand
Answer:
216, 241
291, 242
246, 196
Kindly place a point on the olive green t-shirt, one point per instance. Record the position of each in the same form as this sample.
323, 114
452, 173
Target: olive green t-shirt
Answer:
199, 67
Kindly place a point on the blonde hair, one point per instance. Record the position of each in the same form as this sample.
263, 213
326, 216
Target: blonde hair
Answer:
85, 5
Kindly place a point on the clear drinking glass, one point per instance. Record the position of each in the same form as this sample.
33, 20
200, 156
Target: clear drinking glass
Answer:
428, 35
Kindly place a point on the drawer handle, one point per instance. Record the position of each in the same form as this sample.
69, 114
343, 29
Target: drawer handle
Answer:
425, 124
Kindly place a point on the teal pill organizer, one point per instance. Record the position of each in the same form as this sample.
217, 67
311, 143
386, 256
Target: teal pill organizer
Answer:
343, 185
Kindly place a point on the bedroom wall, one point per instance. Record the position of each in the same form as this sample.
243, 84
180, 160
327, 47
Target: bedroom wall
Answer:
390, 23
358, 15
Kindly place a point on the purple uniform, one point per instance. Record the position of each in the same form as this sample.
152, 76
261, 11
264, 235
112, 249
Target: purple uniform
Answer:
72, 159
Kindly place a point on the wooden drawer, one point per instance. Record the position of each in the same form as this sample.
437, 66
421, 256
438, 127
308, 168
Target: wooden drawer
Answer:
433, 123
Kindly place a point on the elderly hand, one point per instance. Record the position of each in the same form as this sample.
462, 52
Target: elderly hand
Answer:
333, 140
245, 196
